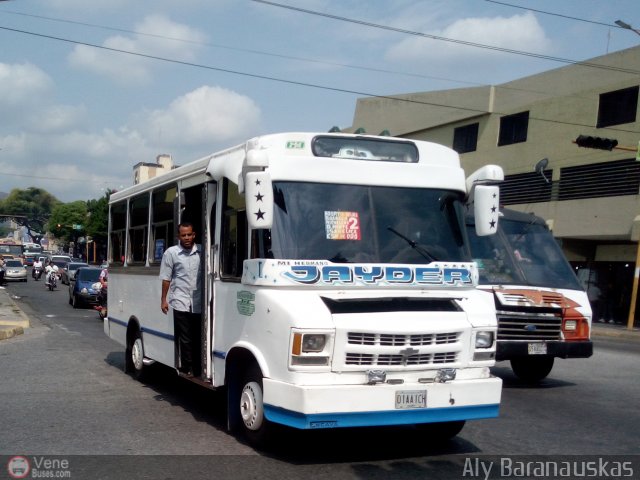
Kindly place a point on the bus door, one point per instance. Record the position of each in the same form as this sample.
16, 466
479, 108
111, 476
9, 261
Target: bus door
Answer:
208, 246
197, 206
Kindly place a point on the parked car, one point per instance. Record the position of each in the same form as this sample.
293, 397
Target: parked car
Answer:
69, 270
81, 291
15, 271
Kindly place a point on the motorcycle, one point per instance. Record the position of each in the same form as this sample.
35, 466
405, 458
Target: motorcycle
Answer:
36, 273
52, 281
101, 307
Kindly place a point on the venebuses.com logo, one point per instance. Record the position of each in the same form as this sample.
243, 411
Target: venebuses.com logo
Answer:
18, 467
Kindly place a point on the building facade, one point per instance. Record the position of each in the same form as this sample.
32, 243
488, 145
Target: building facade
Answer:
146, 171
589, 197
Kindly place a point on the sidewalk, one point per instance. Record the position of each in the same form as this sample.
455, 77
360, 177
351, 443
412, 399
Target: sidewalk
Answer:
614, 330
12, 320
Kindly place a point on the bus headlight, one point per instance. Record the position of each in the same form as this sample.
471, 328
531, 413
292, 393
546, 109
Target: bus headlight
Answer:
310, 348
484, 346
484, 339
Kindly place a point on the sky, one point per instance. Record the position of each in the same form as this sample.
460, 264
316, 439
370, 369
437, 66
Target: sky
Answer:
88, 89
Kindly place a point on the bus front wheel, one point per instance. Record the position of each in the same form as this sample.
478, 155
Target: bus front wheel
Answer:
135, 356
254, 424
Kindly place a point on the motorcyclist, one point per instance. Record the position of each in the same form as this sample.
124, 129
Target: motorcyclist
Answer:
37, 269
50, 269
102, 295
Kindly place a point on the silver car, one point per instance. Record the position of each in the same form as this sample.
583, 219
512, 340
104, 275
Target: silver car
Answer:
15, 271
69, 270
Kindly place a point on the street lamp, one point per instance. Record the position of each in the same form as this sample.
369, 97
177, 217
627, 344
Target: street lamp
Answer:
625, 25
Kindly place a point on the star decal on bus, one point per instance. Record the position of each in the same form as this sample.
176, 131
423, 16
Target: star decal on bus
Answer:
259, 214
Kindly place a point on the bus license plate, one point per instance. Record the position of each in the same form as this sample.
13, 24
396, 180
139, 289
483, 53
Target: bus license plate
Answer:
537, 349
411, 399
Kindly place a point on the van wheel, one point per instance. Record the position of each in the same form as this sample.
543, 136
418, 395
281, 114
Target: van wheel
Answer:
532, 370
254, 424
134, 353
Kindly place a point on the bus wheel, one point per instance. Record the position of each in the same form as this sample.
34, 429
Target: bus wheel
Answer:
255, 426
438, 432
135, 357
530, 369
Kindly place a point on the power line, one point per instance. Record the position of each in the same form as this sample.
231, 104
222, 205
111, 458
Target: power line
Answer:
290, 82
555, 14
66, 179
239, 49
261, 52
451, 40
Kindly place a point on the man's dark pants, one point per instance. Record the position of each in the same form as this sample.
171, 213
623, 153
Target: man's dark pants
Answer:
186, 327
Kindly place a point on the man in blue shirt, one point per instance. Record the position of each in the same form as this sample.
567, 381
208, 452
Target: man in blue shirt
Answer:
181, 276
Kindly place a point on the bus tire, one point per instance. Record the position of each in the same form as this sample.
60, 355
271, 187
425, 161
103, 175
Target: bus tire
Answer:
441, 431
134, 354
254, 425
531, 369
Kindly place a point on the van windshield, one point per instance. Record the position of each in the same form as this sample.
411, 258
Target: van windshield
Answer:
521, 253
365, 224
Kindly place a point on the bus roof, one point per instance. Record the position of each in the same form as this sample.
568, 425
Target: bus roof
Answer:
327, 158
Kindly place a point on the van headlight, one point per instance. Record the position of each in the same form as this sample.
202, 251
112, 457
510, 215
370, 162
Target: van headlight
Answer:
310, 348
484, 339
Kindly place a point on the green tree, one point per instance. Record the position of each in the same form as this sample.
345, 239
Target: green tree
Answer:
30, 208
97, 226
63, 219
98, 217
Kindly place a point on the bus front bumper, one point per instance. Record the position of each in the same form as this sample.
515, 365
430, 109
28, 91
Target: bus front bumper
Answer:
507, 350
336, 406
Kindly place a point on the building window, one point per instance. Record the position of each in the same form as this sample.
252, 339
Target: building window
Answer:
513, 128
618, 107
526, 188
465, 139
605, 179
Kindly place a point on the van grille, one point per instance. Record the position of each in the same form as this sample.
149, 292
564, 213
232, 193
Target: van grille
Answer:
529, 326
387, 339
382, 360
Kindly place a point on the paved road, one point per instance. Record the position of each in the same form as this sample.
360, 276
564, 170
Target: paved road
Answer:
63, 393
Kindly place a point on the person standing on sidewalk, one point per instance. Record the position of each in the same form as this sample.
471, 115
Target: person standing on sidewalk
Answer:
181, 276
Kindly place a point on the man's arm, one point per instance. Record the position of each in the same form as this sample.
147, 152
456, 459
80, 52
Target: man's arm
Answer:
164, 306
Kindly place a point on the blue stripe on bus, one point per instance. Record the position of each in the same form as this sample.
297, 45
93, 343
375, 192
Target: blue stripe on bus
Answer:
157, 333
219, 354
150, 331
370, 419
115, 320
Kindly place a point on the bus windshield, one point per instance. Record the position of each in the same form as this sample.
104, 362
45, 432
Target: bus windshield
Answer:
521, 253
11, 249
365, 224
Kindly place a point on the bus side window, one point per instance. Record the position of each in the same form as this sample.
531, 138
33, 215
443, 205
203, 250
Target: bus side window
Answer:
234, 232
118, 214
138, 224
163, 234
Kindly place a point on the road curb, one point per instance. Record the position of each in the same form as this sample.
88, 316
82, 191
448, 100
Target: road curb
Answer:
9, 332
13, 320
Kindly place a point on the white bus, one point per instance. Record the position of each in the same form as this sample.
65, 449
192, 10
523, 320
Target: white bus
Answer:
339, 287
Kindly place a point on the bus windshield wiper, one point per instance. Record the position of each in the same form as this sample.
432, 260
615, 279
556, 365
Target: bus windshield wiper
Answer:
421, 250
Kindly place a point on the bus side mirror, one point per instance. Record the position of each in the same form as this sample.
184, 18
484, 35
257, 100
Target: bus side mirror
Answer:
486, 199
258, 196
